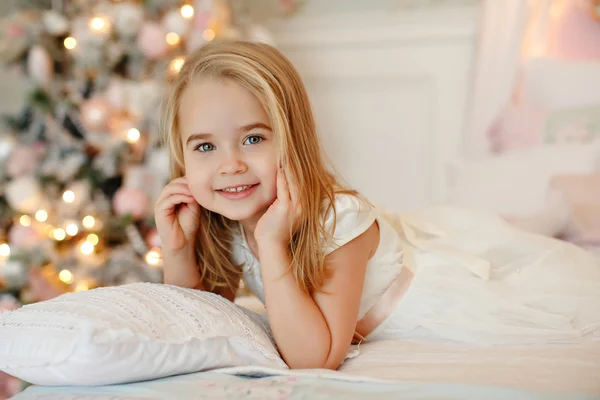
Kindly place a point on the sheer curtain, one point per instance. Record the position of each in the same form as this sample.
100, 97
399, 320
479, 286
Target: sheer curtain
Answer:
510, 29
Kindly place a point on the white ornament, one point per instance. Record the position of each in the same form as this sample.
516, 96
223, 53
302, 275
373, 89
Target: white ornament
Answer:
158, 169
40, 66
7, 145
24, 194
14, 273
116, 94
173, 21
70, 165
55, 23
144, 97
128, 19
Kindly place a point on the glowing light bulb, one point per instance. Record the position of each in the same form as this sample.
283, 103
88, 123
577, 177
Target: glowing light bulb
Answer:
98, 23
59, 234
187, 11
133, 135
25, 220
69, 196
72, 229
41, 215
82, 286
88, 222
92, 238
86, 248
4, 250
176, 65
70, 43
66, 276
153, 257
172, 38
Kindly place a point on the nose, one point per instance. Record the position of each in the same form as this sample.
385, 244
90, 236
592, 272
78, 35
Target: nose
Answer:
232, 164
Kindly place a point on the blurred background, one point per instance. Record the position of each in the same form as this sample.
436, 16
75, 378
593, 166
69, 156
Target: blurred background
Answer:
488, 104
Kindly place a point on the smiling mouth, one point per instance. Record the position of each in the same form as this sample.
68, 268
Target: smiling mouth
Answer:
236, 189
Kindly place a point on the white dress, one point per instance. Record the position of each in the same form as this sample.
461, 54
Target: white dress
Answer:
477, 279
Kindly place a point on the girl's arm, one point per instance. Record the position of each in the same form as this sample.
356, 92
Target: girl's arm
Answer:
315, 332
181, 270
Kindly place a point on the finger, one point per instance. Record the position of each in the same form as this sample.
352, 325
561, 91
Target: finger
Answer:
293, 189
168, 204
175, 188
283, 193
182, 179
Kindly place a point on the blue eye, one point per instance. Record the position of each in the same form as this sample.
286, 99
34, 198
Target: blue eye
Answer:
204, 147
255, 139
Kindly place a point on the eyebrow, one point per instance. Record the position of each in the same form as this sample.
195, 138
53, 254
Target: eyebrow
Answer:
249, 127
197, 136
245, 128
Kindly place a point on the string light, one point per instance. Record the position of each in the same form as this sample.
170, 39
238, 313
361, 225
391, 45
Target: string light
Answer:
41, 215
98, 23
153, 257
72, 229
133, 135
86, 248
59, 234
172, 38
82, 286
66, 276
176, 65
25, 220
208, 34
88, 222
68, 196
187, 11
92, 238
70, 43
4, 250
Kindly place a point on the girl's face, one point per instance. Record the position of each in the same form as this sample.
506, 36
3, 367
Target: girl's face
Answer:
229, 151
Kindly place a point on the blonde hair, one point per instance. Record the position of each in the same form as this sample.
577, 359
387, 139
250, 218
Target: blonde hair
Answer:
272, 79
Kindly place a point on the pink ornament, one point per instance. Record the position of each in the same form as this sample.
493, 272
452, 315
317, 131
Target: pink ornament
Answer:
131, 201
23, 161
288, 6
8, 303
23, 237
202, 20
152, 40
16, 31
95, 113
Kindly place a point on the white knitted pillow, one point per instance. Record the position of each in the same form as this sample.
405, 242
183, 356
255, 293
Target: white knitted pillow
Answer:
130, 333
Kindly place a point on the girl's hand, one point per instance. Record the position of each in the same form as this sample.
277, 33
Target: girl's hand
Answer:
177, 216
279, 222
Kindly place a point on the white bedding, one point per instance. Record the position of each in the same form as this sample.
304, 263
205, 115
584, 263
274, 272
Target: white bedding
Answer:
387, 369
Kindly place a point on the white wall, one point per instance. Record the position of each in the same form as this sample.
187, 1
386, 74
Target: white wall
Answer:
389, 88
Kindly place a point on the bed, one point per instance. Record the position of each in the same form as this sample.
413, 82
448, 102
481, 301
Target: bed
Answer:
387, 369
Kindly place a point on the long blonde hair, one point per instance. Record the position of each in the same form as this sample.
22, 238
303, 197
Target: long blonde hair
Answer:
272, 79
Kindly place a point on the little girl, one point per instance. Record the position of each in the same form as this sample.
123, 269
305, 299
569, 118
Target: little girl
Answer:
252, 199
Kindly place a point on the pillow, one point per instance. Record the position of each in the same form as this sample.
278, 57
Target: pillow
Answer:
516, 183
130, 333
523, 125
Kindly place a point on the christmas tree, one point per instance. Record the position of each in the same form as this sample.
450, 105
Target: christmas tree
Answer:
81, 165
